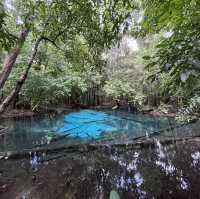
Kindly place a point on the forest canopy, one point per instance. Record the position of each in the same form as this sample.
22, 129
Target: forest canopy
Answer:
57, 52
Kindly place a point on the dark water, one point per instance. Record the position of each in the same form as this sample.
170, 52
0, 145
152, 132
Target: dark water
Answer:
163, 172
171, 172
80, 126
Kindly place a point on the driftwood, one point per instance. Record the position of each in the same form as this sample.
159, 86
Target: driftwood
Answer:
48, 150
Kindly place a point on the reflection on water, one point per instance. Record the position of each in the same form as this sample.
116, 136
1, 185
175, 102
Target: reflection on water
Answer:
196, 158
131, 177
166, 165
153, 173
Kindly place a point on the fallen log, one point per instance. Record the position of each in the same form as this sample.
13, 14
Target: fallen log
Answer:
84, 148
48, 150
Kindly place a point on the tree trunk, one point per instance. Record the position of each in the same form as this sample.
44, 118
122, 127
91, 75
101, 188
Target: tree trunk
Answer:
21, 80
11, 58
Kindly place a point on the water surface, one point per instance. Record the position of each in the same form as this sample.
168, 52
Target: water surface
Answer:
83, 126
170, 171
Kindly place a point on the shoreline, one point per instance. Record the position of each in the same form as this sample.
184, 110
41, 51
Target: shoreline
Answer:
16, 113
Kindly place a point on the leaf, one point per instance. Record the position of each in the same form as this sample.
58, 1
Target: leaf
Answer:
146, 57
150, 65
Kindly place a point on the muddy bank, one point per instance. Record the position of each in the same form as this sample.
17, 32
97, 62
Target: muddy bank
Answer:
17, 113
42, 110
170, 171
59, 109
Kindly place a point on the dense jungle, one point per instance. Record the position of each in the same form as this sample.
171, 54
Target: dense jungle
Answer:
99, 99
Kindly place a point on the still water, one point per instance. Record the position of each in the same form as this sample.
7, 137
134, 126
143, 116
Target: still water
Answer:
170, 171
82, 126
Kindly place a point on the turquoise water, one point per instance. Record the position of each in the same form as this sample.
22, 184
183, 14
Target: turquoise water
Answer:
95, 124
82, 126
86, 124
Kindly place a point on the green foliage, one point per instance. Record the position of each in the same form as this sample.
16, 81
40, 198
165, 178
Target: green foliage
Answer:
75, 34
42, 89
191, 111
175, 63
78, 32
6, 39
132, 90
169, 15
125, 73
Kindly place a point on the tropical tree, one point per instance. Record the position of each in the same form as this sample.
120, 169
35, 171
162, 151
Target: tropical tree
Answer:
175, 63
59, 22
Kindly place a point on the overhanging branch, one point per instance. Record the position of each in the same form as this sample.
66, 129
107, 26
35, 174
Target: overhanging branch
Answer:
52, 42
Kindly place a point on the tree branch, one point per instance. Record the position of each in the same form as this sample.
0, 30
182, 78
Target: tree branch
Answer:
52, 42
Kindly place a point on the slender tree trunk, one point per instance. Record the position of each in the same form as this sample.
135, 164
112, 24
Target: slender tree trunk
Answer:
11, 58
21, 80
